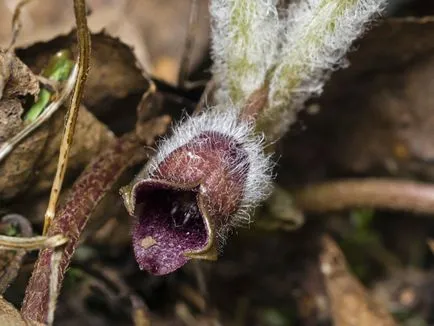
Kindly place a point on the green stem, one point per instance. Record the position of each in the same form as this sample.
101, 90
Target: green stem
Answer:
58, 69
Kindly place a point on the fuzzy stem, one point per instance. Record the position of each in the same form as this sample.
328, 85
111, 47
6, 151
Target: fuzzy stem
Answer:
89, 189
318, 34
244, 44
376, 193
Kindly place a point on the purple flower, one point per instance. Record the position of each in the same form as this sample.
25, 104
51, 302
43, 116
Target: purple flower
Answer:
203, 181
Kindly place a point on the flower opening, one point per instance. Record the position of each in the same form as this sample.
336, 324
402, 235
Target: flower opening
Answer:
203, 181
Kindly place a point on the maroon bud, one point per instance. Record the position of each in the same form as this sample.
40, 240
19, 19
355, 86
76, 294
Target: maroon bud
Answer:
203, 181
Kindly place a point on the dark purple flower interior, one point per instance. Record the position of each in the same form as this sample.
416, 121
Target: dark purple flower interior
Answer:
168, 223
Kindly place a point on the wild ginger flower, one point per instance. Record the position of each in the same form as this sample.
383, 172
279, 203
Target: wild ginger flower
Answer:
207, 176
203, 181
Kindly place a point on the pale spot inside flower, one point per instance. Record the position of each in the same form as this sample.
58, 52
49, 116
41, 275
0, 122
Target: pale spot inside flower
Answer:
148, 242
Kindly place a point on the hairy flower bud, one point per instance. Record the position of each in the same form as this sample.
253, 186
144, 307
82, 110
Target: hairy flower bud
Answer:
203, 181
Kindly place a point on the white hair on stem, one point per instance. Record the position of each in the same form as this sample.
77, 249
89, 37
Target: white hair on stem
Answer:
244, 43
317, 35
294, 55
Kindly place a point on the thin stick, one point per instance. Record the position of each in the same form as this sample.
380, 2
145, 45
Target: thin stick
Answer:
83, 37
54, 285
31, 243
16, 22
391, 194
189, 44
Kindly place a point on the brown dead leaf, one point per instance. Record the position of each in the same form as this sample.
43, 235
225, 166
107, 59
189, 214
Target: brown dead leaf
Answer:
35, 158
16, 81
17, 168
90, 138
5, 69
21, 80
349, 301
115, 72
11, 111
9, 315
114, 76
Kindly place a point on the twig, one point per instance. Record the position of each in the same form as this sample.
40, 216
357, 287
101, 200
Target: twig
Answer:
350, 302
54, 285
83, 37
189, 44
32, 243
391, 194
16, 22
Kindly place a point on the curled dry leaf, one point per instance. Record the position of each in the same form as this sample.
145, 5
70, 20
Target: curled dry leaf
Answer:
16, 82
115, 75
350, 303
9, 315
10, 118
34, 158
115, 72
20, 80
90, 138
